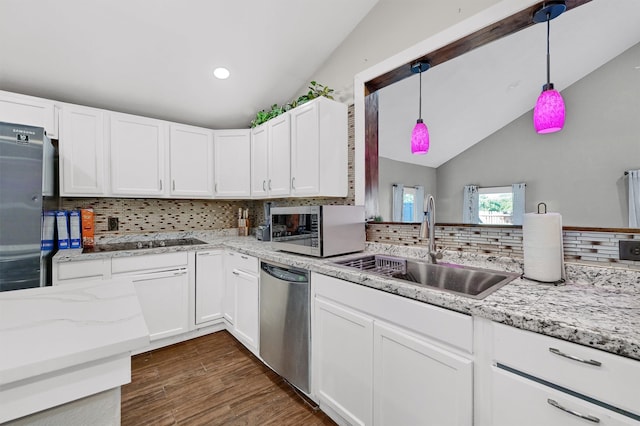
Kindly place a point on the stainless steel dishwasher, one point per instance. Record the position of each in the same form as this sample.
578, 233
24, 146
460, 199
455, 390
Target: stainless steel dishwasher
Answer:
285, 322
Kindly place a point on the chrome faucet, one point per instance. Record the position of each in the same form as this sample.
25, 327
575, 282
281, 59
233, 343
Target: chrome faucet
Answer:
428, 228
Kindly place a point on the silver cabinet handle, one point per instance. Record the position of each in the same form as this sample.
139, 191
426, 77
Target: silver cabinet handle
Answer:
269, 184
215, 187
264, 185
160, 184
573, 413
293, 183
235, 273
174, 184
575, 358
244, 257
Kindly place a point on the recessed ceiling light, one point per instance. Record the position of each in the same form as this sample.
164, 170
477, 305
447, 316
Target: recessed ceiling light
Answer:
221, 73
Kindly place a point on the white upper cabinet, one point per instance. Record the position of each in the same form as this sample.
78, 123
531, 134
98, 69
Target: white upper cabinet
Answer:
232, 165
22, 109
319, 152
260, 160
137, 156
191, 161
81, 151
271, 158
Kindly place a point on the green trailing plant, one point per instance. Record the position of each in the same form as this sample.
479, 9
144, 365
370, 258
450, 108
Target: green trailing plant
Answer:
315, 91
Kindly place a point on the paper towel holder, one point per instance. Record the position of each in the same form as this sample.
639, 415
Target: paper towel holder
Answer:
545, 208
561, 280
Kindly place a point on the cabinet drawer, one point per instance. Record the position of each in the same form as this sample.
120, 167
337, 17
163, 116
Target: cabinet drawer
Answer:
81, 269
121, 265
522, 402
614, 381
243, 262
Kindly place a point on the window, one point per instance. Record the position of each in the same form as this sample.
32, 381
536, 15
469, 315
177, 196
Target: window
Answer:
496, 205
502, 205
408, 204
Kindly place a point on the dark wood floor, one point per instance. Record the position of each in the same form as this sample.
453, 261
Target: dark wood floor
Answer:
211, 380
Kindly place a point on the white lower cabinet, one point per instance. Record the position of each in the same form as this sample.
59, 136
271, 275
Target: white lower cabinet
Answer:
343, 360
209, 285
162, 282
418, 383
523, 402
377, 363
540, 380
241, 303
164, 300
247, 322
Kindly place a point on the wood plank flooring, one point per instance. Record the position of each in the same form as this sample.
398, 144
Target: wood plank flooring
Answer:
211, 380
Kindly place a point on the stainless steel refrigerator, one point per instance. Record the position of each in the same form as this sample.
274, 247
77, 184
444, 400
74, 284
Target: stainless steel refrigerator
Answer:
21, 191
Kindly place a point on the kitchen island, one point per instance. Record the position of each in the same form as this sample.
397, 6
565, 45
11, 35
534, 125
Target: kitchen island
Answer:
64, 344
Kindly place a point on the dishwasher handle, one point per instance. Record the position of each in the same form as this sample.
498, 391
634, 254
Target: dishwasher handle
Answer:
286, 274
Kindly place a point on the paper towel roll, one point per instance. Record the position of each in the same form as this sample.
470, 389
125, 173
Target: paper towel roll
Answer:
542, 245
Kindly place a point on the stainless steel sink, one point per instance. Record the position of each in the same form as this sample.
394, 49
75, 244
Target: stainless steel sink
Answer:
467, 281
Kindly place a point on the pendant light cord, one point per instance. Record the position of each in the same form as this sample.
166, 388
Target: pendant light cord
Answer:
420, 95
548, 55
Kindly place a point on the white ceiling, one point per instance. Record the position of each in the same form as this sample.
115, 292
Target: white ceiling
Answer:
156, 57
469, 98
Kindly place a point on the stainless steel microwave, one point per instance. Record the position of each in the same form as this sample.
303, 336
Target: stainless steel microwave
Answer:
318, 230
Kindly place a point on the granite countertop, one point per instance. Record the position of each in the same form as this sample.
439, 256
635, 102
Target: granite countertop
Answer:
597, 307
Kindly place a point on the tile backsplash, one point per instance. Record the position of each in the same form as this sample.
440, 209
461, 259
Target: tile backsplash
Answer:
593, 247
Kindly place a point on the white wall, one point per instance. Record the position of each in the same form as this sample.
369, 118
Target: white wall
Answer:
390, 27
579, 171
391, 171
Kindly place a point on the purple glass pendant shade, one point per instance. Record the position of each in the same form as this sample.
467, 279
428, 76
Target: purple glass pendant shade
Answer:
549, 112
420, 138
420, 133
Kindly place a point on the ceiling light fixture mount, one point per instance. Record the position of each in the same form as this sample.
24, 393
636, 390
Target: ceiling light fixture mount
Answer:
549, 112
420, 133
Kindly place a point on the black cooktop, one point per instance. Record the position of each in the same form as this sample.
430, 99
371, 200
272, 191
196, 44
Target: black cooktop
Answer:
137, 245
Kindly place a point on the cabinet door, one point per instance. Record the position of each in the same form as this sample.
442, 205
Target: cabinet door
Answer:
342, 361
279, 182
191, 159
305, 150
523, 402
164, 299
417, 383
232, 163
247, 323
259, 160
81, 151
229, 299
21, 109
137, 155
209, 285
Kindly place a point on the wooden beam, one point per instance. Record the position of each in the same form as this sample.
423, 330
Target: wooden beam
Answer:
371, 155
508, 26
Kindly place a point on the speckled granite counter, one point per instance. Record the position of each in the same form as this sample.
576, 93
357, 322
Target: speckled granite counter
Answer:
598, 307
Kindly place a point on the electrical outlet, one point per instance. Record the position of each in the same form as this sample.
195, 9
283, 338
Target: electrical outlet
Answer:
629, 250
113, 224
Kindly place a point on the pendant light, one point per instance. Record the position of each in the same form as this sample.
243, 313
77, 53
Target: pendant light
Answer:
420, 133
549, 112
